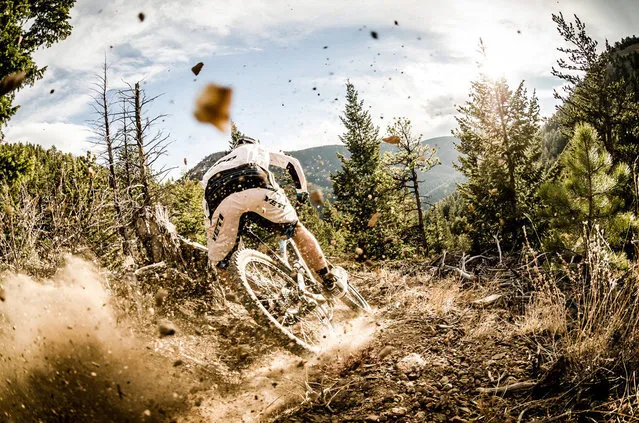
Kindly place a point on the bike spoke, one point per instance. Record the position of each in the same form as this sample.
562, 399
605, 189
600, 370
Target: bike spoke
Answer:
275, 292
303, 332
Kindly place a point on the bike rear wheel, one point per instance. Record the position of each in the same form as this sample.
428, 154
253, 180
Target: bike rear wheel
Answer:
273, 298
354, 300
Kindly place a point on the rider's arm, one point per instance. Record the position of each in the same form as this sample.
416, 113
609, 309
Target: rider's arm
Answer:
292, 165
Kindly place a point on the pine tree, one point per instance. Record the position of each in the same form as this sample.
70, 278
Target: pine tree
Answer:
235, 136
500, 153
583, 197
361, 185
26, 26
602, 88
411, 158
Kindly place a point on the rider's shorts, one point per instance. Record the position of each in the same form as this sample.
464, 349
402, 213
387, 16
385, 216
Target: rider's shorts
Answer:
271, 207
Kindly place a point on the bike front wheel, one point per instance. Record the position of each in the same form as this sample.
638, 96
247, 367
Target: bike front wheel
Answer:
275, 301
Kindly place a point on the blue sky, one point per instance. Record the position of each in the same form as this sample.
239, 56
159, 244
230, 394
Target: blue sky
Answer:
420, 68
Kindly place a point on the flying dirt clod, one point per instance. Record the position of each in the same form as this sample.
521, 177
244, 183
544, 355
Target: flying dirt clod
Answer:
12, 82
213, 106
197, 68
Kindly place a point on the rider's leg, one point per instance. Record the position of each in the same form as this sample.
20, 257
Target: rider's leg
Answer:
222, 227
314, 256
310, 249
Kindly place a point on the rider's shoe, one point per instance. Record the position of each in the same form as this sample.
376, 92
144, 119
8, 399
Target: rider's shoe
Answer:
335, 283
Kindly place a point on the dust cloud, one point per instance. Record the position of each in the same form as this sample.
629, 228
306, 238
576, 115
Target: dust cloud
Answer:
63, 356
281, 379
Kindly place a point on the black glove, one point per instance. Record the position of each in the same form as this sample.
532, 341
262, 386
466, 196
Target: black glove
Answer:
302, 197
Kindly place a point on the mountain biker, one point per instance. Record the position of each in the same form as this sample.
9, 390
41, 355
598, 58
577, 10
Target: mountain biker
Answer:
240, 185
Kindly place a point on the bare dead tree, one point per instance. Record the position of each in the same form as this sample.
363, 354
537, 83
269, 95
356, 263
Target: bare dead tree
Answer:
142, 145
102, 127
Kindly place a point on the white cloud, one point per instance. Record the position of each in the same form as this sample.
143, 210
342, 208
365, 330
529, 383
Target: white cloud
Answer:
175, 34
66, 137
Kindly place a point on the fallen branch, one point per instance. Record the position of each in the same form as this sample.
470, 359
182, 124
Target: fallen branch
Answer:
460, 272
193, 244
515, 387
487, 301
498, 248
150, 267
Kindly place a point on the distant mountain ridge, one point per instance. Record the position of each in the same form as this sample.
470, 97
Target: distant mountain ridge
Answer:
320, 162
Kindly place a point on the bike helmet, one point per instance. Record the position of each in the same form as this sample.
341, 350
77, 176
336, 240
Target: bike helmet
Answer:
245, 140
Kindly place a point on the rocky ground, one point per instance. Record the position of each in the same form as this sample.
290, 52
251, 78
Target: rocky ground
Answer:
434, 350
437, 349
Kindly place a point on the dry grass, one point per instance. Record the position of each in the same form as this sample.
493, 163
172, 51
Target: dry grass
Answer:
543, 315
591, 322
443, 297
607, 305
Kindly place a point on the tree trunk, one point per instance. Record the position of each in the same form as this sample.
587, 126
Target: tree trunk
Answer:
143, 221
113, 182
420, 212
126, 154
139, 139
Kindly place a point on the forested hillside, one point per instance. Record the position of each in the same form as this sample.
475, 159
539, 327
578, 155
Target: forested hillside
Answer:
320, 162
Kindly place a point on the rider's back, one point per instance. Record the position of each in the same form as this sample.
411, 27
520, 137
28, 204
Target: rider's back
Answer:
248, 154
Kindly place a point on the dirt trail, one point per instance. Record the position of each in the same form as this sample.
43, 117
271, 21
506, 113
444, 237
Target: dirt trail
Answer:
277, 378
72, 349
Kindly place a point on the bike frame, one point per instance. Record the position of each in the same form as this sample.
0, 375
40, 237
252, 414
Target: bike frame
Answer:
298, 268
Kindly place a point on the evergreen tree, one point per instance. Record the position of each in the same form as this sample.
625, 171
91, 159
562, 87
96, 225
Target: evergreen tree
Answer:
447, 227
184, 199
411, 158
601, 88
361, 186
25, 26
235, 136
14, 164
583, 196
500, 152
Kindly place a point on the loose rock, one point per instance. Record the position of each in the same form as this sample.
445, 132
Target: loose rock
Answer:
385, 352
160, 296
166, 328
411, 364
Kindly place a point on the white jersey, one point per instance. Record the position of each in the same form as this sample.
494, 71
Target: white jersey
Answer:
254, 154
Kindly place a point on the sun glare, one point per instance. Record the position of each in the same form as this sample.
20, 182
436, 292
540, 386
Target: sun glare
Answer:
505, 51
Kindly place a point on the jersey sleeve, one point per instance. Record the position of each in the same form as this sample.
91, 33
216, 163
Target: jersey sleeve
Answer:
292, 165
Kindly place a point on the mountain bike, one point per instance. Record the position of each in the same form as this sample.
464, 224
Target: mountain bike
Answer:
281, 293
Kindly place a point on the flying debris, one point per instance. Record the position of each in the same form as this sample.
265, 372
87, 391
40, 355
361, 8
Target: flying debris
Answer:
317, 197
393, 139
52, 91
213, 106
166, 328
197, 68
162, 293
141, 16
396, 23
373, 220
185, 162
374, 34
11, 82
